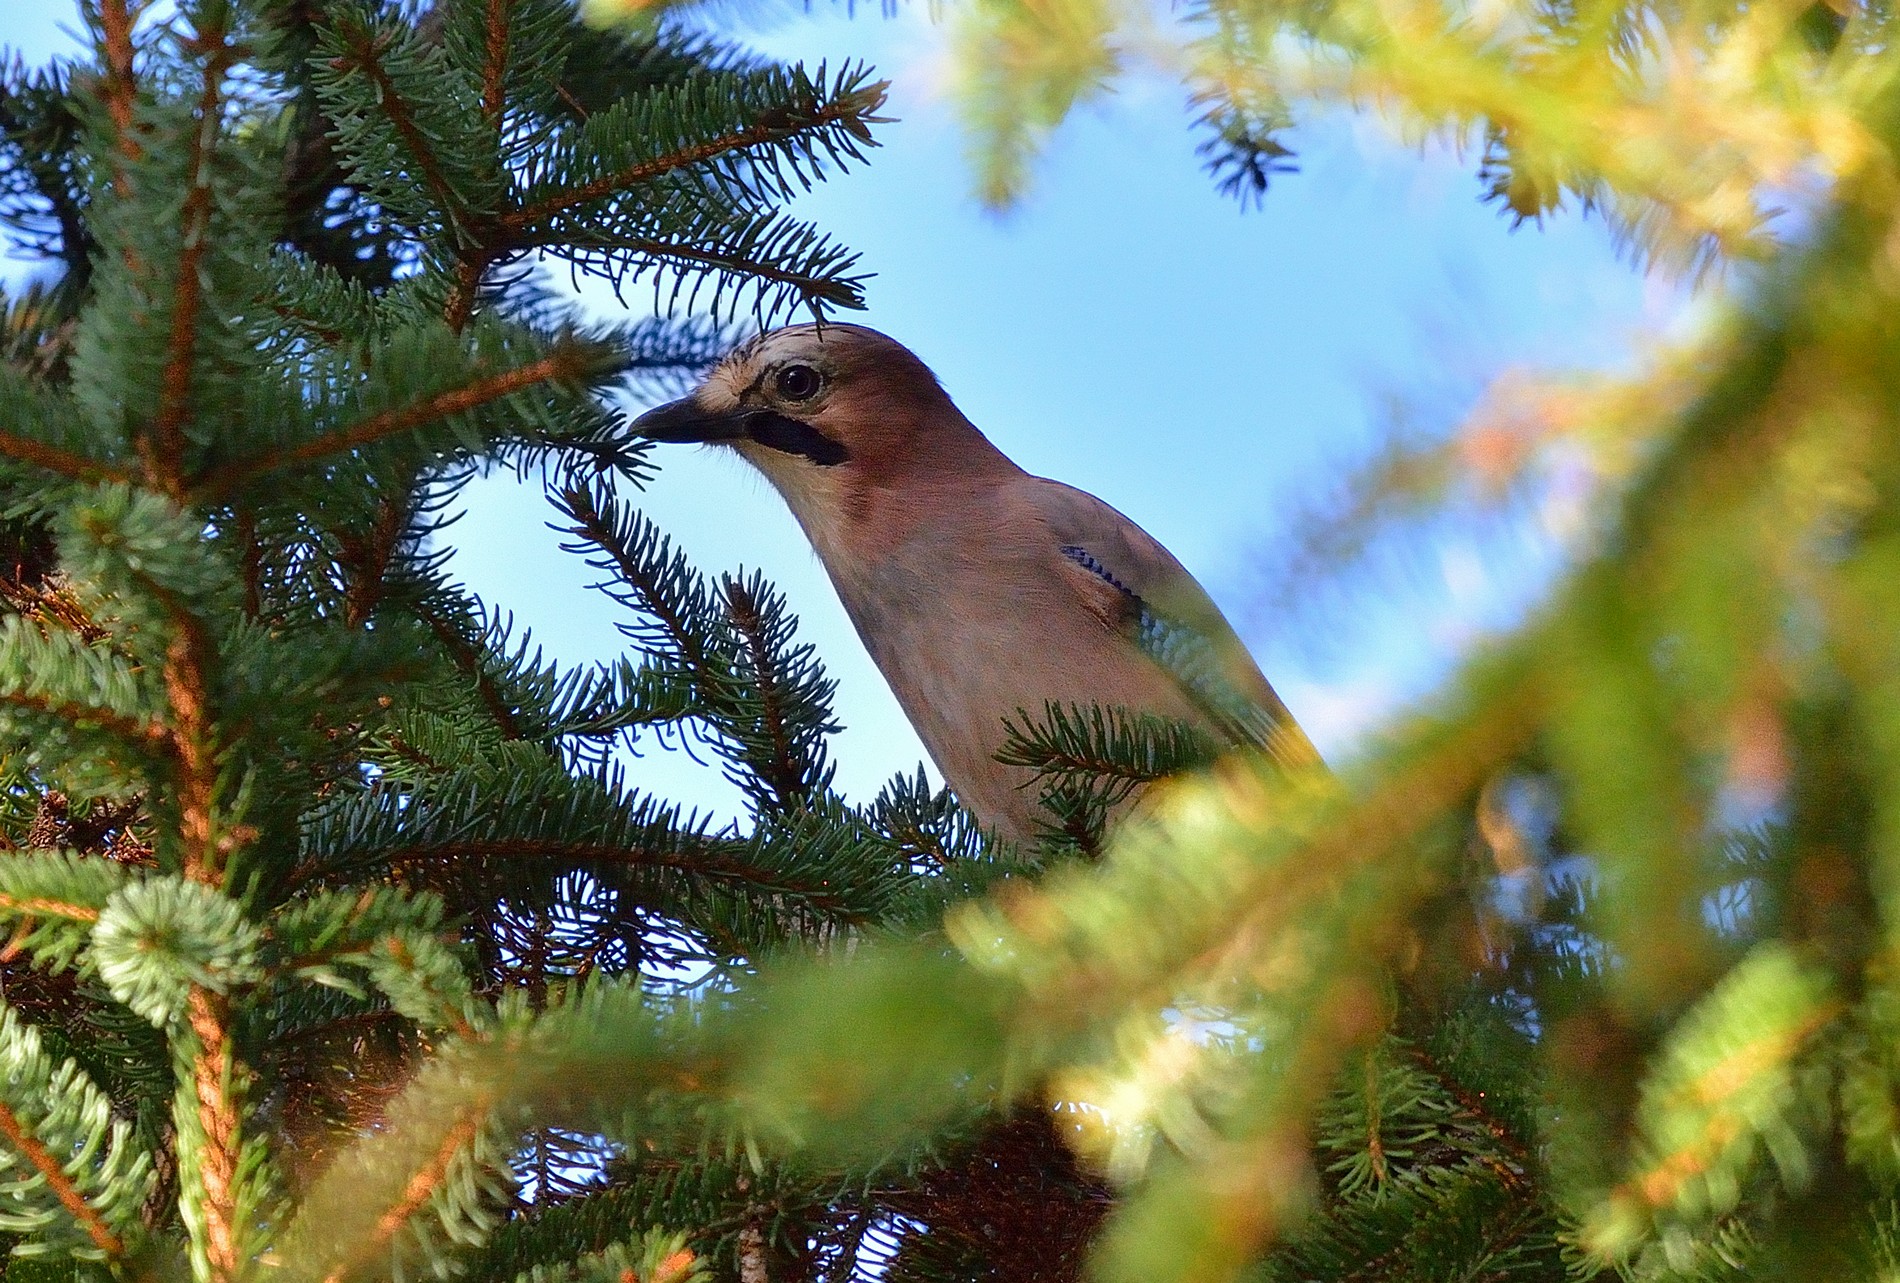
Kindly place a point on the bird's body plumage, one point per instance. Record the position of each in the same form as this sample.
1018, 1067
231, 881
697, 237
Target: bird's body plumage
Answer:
982, 592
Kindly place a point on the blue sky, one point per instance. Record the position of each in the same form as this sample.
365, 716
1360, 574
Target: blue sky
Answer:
1206, 370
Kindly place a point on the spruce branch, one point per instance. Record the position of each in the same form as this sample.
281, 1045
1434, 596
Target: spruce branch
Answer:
83, 716
85, 1175
495, 61
1104, 744
1728, 1086
423, 1185
214, 1215
785, 769
28, 1146
469, 272
42, 429
471, 660
781, 696
567, 363
194, 744
55, 897
781, 259
54, 459
61, 693
362, 50
162, 938
725, 859
119, 85
433, 1176
852, 110
648, 576
39, 908
368, 558
164, 449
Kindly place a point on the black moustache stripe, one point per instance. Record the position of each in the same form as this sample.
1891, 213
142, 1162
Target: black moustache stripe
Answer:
793, 436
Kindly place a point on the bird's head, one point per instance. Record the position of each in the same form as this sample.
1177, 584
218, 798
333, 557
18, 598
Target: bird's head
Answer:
825, 408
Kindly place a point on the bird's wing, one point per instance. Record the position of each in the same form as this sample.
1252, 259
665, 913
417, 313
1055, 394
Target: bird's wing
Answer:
1136, 586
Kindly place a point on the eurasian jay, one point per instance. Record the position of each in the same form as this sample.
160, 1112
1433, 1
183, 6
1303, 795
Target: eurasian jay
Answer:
983, 593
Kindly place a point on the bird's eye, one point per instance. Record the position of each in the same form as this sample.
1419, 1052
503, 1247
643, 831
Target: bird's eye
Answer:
798, 382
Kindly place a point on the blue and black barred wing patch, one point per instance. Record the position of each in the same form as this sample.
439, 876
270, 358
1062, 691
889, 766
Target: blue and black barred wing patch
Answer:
1191, 657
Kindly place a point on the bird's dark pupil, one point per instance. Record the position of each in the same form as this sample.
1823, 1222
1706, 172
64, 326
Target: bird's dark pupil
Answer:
796, 382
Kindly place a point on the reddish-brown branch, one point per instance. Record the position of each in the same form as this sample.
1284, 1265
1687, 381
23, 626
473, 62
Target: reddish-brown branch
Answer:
251, 558
153, 733
214, 1071
468, 285
557, 365
698, 153
469, 661
420, 1188
311, 325
164, 449
54, 459
40, 906
595, 527
28, 1146
476, 257
495, 64
784, 772
369, 561
16, 943
365, 55
1390, 814
714, 258
187, 689
120, 86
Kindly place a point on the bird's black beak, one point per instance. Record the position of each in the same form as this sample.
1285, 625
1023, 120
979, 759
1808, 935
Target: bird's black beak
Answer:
685, 420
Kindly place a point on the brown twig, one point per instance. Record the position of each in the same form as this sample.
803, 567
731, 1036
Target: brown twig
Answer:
419, 1189
251, 559
28, 1147
597, 530
42, 907
469, 660
715, 258
334, 337
121, 87
787, 776
367, 58
214, 1070
193, 744
698, 153
125, 727
468, 286
370, 561
164, 449
556, 365
54, 459
495, 62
